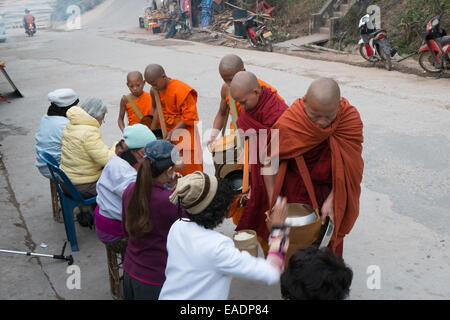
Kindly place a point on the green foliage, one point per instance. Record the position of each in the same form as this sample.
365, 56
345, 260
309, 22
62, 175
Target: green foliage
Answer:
404, 21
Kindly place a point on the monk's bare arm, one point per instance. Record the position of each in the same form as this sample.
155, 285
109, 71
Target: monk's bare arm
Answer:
221, 116
122, 111
269, 182
328, 208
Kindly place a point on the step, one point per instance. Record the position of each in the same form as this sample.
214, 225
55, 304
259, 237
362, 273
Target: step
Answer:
338, 14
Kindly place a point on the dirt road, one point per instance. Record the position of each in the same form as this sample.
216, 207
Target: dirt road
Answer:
405, 201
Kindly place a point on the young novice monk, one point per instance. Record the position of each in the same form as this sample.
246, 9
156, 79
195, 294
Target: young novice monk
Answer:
142, 101
179, 106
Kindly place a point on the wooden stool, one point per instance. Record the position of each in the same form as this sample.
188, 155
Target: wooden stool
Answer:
113, 249
56, 205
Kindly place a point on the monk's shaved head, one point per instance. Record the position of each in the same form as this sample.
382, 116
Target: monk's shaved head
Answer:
153, 72
231, 63
134, 76
245, 81
322, 101
245, 89
156, 77
325, 92
229, 66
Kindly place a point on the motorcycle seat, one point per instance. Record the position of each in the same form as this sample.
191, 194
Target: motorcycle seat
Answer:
374, 34
444, 40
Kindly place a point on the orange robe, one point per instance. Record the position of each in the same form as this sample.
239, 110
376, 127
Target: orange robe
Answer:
238, 105
179, 103
144, 104
298, 135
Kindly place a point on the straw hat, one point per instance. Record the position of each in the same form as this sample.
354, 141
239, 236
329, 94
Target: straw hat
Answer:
195, 191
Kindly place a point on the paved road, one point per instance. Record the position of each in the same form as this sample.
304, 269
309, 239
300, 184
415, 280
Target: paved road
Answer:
405, 206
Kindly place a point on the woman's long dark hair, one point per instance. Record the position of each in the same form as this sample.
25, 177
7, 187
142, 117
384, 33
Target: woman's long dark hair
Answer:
54, 110
138, 218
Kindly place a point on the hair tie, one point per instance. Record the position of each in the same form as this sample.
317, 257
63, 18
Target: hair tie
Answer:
152, 160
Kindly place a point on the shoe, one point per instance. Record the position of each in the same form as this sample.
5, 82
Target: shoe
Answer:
85, 219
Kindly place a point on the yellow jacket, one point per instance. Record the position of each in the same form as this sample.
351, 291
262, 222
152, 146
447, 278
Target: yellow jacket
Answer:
83, 152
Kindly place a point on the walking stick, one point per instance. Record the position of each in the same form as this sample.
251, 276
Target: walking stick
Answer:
55, 256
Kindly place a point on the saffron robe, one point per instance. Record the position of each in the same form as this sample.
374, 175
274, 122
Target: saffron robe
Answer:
144, 104
179, 103
298, 135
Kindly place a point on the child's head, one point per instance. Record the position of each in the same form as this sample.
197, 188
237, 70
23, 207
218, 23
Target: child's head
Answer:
205, 198
136, 83
156, 77
316, 274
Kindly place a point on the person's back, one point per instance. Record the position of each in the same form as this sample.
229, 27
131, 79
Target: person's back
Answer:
84, 153
146, 256
147, 215
204, 267
49, 134
48, 139
202, 261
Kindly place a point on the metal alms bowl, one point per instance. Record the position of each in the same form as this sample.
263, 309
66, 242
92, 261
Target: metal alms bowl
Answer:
300, 214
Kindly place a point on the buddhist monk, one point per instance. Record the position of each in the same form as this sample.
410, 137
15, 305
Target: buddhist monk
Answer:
327, 131
141, 99
228, 67
179, 106
261, 108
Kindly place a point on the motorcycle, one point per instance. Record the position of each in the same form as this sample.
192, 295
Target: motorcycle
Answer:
31, 30
436, 59
374, 45
183, 25
258, 34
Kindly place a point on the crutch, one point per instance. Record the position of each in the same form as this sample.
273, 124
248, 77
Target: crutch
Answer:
55, 256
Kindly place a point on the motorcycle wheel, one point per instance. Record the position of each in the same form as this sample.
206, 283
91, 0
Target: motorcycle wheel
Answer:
385, 57
363, 53
428, 63
268, 45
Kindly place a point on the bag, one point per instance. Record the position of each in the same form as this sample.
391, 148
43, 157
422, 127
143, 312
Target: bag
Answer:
237, 207
308, 231
160, 133
146, 120
227, 151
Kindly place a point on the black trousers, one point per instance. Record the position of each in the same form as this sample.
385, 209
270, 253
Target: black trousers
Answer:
136, 290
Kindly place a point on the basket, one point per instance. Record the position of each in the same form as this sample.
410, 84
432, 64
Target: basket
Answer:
250, 245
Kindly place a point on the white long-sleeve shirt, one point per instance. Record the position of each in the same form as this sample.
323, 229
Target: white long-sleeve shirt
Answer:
202, 262
115, 178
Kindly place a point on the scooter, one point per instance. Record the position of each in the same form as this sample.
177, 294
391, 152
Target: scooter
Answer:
31, 30
183, 25
436, 59
374, 45
258, 34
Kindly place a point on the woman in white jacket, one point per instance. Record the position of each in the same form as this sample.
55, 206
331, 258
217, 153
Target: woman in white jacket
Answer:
201, 262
